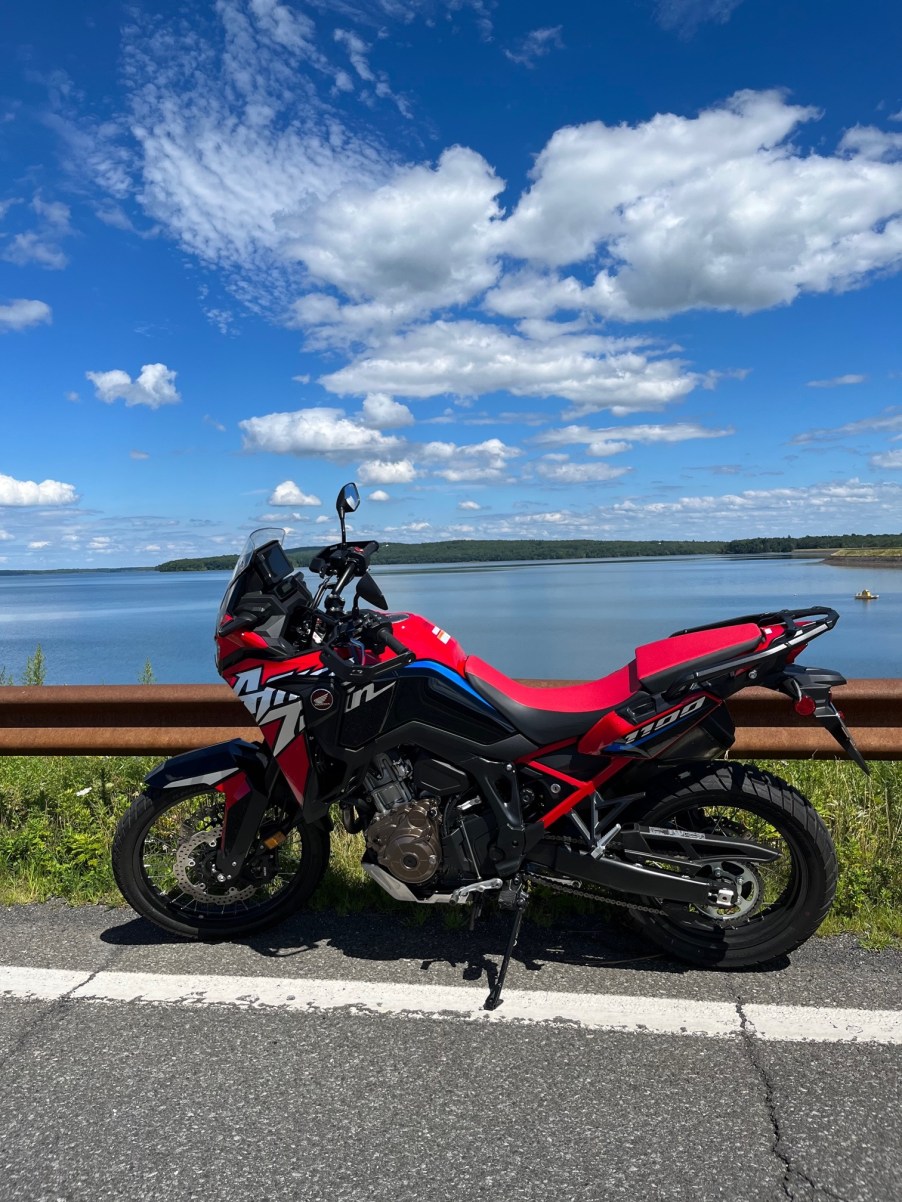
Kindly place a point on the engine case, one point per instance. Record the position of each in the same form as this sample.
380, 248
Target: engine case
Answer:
406, 841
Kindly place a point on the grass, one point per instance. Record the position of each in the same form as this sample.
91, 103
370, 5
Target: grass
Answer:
58, 814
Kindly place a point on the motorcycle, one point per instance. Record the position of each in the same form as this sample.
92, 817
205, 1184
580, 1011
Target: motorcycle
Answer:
468, 786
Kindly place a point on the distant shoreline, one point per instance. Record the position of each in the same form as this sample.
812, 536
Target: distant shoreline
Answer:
880, 550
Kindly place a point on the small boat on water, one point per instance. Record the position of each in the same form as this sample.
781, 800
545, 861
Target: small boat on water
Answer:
866, 595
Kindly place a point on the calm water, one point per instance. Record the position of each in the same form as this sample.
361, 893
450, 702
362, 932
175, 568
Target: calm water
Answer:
560, 620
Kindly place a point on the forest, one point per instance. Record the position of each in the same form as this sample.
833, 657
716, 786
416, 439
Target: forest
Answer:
506, 550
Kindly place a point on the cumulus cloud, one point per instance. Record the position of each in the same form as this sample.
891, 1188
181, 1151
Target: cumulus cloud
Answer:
311, 432
154, 386
468, 505
27, 492
469, 358
423, 240
718, 211
288, 493
383, 413
387, 471
890, 459
379, 495
20, 314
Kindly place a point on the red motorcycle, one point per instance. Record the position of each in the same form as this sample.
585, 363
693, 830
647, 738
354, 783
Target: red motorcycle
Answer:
467, 785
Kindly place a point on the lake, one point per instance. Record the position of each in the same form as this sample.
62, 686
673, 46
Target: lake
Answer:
559, 620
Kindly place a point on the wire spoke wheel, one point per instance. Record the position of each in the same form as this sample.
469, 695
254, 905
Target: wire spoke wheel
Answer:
164, 858
779, 902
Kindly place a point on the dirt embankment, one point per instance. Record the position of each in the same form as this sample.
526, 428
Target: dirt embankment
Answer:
877, 558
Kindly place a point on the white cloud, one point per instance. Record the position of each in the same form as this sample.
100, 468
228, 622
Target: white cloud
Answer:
685, 16
424, 240
888, 420
469, 358
535, 45
38, 544
379, 495
288, 493
138, 455
468, 505
836, 381
718, 211
383, 413
154, 386
891, 459
26, 492
6, 537
311, 432
578, 473
20, 314
613, 440
40, 245
386, 471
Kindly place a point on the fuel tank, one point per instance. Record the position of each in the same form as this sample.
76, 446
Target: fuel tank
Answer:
428, 641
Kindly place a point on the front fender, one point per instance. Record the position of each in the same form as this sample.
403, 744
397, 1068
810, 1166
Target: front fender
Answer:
211, 766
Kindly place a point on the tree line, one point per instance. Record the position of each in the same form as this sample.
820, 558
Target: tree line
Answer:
500, 550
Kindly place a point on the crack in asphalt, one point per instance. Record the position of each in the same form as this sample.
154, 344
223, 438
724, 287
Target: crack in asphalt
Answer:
792, 1175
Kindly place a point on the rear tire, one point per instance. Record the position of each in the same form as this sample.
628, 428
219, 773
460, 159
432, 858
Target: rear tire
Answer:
205, 919
805, 877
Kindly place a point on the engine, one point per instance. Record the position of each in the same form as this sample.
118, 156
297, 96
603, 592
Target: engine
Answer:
404, 832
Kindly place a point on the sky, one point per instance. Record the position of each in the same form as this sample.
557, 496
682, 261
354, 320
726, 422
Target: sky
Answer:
620, 270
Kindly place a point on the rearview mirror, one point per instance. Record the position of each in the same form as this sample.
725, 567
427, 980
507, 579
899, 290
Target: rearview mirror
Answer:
347, 502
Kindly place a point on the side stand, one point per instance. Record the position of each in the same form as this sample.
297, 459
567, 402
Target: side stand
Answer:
518, 902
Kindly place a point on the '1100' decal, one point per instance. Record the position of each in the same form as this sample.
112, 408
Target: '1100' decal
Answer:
652, 728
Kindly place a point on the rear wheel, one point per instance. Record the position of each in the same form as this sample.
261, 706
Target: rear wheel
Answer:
780, 903
163, 861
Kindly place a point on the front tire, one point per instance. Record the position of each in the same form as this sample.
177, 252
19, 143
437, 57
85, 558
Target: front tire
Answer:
158, 854
787, 901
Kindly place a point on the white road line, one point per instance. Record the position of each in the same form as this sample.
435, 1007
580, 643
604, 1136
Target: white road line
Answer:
601, 1012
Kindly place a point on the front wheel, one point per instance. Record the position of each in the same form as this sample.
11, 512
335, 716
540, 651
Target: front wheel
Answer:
779, 904
163, 860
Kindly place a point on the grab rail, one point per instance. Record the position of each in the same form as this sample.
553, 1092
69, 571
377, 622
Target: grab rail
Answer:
165, 719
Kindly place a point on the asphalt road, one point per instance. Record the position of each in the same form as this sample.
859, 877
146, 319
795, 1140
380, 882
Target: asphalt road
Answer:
108, 1100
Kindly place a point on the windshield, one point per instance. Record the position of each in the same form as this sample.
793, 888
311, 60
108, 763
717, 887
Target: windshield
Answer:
259, 538
237, 586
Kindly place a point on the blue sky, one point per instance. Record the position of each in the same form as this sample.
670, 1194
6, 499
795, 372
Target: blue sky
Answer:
616, 270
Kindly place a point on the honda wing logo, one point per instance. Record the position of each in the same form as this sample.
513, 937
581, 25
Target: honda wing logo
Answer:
267, 704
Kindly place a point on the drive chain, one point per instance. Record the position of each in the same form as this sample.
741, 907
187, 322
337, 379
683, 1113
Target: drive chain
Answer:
575, 891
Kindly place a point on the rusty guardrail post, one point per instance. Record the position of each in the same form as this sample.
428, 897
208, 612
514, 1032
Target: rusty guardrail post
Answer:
166, 719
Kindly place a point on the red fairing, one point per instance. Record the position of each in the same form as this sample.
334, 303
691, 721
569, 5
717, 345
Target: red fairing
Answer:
279, 715
429, 641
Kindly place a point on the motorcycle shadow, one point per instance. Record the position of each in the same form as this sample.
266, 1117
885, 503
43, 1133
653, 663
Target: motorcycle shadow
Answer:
388, 937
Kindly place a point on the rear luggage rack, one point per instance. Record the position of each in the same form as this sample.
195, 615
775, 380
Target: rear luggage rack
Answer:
778, 617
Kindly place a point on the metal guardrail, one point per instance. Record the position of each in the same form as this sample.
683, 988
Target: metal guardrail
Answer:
165, 719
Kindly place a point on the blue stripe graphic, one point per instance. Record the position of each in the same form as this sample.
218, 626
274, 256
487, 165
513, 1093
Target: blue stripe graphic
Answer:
433, 666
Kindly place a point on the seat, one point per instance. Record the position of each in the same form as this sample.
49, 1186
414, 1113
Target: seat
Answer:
547, 715
661, 664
